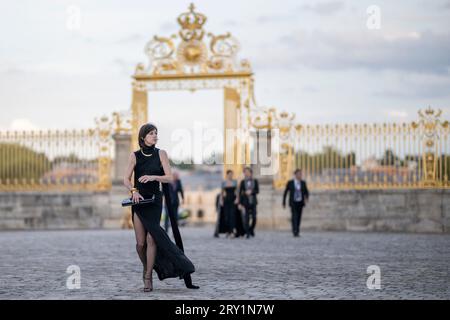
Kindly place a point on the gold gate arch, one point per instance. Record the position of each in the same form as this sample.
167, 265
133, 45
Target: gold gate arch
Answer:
200, 60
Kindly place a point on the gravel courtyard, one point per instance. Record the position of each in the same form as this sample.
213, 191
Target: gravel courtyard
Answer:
273, 265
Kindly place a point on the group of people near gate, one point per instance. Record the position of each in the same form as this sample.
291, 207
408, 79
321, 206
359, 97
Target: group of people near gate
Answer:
236, 204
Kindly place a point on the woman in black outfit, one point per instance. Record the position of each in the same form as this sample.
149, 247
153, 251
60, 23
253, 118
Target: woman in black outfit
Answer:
229, 201
155, 249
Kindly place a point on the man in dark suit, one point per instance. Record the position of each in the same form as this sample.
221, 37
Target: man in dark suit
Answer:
298, 197
248, 190
175, 189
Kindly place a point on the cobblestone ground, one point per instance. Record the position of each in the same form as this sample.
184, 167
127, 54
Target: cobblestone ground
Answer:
273, 265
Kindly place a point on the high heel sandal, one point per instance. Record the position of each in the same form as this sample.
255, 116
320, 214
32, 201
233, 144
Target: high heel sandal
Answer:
150, 287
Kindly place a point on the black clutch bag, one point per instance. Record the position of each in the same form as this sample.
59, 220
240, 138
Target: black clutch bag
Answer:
129, 202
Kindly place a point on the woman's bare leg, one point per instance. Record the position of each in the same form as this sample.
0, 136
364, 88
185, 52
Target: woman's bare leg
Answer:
141, 246
151, 254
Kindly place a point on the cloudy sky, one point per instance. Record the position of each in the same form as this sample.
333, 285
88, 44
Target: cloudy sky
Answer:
315, 58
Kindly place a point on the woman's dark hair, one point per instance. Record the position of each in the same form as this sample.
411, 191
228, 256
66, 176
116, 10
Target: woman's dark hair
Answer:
229, 171
143, 131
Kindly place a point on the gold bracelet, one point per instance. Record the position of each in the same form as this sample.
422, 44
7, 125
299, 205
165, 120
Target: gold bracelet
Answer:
132, 190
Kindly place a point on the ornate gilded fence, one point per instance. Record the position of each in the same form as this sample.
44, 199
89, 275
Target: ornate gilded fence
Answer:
366, 156
57, 160
337, 156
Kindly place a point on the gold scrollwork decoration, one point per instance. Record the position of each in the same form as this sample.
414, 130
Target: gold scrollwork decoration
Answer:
429, 125
122, 122
104, 128
192, 55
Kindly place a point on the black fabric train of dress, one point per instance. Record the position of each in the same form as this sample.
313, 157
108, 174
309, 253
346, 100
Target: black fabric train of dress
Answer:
170, 260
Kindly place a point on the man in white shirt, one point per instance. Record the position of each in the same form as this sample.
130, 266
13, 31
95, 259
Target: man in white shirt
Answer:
298, 196
248, 190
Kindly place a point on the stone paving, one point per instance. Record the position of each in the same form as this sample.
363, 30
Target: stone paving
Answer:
273, 265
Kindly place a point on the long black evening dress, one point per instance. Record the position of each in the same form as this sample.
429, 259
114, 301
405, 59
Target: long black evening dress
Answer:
221, 226
232, 215
170, 261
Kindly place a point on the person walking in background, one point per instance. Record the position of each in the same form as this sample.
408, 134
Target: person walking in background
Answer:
176, 190
298, 197
229, 200
248, 190
220, 222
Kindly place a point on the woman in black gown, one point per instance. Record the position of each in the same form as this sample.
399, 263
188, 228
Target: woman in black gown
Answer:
229, 202
153, 245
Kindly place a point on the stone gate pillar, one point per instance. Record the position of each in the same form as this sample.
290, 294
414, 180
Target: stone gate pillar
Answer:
266, 203
119, 217
122, 143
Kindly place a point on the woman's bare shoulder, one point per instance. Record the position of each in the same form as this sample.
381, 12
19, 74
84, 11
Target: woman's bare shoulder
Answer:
163, 153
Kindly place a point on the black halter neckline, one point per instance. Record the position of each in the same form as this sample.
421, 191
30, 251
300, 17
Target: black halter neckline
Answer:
148, 149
